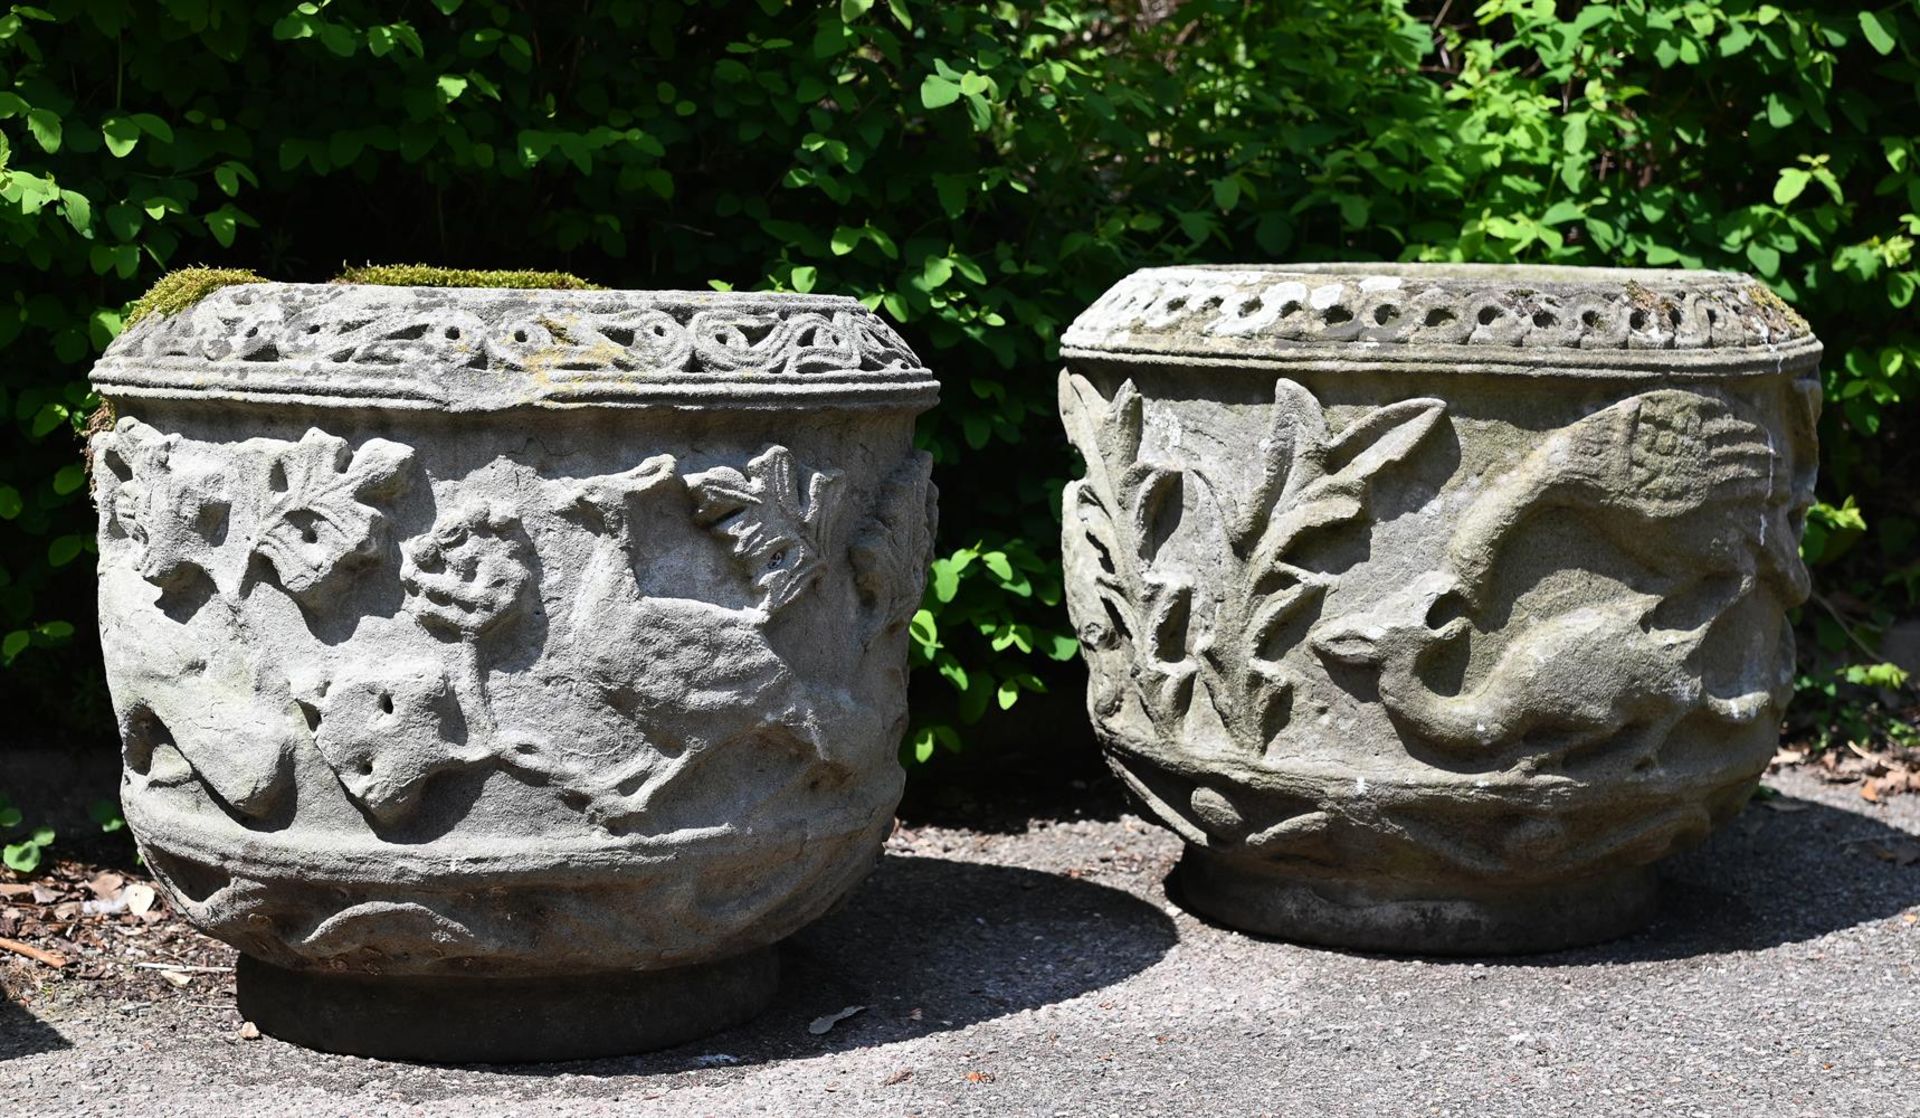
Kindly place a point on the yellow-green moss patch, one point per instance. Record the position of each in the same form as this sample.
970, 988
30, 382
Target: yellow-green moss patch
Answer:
178, 290
426, 275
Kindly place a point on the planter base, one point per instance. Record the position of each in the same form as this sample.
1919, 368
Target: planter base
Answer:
505, 1020
1359, 916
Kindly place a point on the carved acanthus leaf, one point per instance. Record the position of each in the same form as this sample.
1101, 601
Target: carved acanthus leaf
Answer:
777, 534
1117, 520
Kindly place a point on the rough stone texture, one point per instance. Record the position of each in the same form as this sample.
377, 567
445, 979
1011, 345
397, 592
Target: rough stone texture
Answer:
509, 633
1040, 974
1430, 605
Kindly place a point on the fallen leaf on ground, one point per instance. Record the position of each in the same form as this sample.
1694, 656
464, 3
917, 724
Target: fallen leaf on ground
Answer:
107, 885
140, 898
821, 1025
175, 977
249, 1031
979, 1077
897, 1078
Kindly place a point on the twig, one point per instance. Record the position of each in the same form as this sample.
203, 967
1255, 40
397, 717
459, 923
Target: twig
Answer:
31, 952
1841, 620
180, 967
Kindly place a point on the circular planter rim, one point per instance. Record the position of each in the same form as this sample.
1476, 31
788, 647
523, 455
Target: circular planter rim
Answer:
1531, 320
478, 349
1506, 275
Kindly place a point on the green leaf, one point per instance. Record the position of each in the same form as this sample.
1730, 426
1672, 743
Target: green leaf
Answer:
153, 126
121, 135
1062, 647
106, 813
1007, 694
804, 278
65, 549
69, 478
1874, 26
937, 92
79, 211
44, 126
21, 857
851, 10
451, 86
14, 643
1793, 182
1765, 260
10, 504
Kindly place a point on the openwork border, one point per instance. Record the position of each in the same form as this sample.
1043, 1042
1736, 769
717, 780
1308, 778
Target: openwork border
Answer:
1202, 310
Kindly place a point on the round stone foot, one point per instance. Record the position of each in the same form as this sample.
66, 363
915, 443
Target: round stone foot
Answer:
1367, 916
461, 1019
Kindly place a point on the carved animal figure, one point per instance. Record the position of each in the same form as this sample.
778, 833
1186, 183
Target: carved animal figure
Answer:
1679, 479
692, 675
386, 728
1591, 673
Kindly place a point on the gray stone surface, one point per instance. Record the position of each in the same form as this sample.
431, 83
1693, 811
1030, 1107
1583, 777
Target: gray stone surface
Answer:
1041, 973
1431, 604
460, 633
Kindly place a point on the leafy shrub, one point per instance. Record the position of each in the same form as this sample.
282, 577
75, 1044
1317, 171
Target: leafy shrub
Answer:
979, 172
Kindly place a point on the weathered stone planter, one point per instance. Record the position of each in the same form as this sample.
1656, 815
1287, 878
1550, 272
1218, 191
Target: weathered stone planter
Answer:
1431, 605
504, 672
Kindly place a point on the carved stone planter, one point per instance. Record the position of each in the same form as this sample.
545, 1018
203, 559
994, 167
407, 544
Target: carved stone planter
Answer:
504, 672
1432, 605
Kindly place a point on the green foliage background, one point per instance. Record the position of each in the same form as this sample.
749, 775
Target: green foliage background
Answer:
980, 172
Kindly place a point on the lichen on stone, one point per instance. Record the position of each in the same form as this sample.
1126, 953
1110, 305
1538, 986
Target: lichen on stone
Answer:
182, 288
427, 275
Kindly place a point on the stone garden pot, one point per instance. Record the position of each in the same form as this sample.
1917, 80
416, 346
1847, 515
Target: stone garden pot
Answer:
505, 672
1432, 605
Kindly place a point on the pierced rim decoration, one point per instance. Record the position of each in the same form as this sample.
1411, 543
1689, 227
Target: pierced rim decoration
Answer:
1596, 321
490, 349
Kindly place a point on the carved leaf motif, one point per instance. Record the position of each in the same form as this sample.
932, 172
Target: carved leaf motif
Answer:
1232, 645
173, 511
891, 551
777, 535
315, 521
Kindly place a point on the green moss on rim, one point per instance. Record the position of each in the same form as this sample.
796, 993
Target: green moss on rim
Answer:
426, 275
178, 290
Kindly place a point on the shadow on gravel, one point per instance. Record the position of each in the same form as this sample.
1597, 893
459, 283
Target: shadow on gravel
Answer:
927, 945
23, 1034
1784, 871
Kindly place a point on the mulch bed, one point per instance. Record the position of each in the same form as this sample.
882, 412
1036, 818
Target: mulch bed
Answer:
109, 932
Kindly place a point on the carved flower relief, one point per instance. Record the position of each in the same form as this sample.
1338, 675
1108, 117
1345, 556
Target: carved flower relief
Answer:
469, 573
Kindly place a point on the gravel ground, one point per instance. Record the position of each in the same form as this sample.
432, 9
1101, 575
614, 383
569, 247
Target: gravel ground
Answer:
1043, 972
